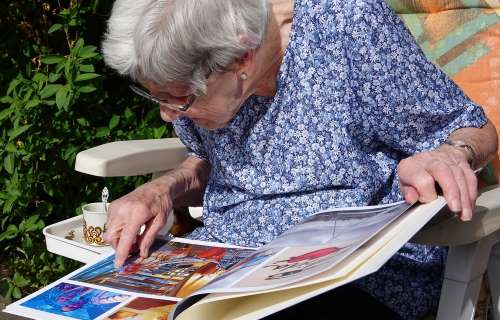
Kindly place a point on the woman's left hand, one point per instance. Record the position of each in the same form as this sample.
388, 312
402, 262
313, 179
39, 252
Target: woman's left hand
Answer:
447, 167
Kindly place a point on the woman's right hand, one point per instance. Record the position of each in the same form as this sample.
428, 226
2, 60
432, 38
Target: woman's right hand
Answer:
147, 205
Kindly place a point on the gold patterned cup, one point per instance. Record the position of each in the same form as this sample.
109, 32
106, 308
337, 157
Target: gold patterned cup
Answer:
94, 223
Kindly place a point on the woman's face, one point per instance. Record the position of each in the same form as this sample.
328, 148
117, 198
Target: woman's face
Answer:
226, 92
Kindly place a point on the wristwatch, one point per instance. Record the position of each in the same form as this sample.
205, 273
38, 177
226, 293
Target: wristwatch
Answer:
471, 154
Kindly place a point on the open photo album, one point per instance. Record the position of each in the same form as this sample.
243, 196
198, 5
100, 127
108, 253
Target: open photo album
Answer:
187, 279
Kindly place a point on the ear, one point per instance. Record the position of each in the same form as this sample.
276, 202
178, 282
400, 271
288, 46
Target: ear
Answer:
246, 63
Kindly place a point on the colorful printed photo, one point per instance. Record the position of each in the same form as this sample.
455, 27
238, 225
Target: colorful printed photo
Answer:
144, 309
75, 301
173, 269
292, 265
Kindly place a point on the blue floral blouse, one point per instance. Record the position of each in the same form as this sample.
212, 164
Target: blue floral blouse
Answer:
355, 95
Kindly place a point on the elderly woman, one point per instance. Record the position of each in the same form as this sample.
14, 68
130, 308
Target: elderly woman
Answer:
288, 108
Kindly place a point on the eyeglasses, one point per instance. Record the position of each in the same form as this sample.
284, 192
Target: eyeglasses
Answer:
176, 107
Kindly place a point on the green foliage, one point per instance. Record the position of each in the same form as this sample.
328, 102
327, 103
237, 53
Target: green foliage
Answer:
56, 99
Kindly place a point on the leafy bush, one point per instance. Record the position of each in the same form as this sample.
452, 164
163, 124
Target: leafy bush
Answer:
58, 99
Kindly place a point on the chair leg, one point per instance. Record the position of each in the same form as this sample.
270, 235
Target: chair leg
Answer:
458, 299
465, 267
494, 281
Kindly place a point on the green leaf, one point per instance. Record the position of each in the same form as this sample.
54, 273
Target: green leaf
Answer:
16, 293
39, 77
90, 55
9, 204
5, 113
27, 242
20, 281
49, 189
16, 132
128, 113
28, 93
87, 68
69, 153
55, 27
82, 121
64, 12
10, 233
32, 104
50, 90
86, 76
68, 69
78, 46
60, 67
8, 163
159, 132
31, 224
113, 122
52, 59
87, 89
87, 52
102, 132
63, 97
53, 77
11, 148
13, 84
6, 99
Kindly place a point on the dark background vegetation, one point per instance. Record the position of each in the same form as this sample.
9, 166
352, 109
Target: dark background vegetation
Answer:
56, 98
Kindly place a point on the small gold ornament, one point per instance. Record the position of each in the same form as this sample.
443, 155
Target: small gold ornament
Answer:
93, 235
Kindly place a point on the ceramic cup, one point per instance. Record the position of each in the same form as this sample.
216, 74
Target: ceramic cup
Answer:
94, 221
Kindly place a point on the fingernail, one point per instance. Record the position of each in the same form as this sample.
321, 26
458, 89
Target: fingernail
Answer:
466, 214
117, 264
455, 206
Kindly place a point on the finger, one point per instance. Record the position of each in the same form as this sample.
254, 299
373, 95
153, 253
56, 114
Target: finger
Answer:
425, 186
111, 236
466, 212
410, 194
141, 242
471, 178
127, 239
110, 239
112, 231
445, 177
148, 236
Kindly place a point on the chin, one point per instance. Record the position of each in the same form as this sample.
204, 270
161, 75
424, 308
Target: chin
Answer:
209, 125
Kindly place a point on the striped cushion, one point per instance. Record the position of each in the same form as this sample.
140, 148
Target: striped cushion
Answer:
463, 39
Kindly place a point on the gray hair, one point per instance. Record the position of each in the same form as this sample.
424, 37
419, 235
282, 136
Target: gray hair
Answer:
183, 40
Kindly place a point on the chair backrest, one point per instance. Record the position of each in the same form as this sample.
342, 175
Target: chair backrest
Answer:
462, 37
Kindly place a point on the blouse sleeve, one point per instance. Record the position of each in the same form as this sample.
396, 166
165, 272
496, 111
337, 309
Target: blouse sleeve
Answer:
404, 100
188, 134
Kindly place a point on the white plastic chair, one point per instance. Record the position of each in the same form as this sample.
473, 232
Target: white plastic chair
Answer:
474, 247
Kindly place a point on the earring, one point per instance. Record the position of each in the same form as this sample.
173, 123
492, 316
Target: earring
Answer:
243, 76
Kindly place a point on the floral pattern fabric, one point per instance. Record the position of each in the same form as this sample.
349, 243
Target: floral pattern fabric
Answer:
355, 95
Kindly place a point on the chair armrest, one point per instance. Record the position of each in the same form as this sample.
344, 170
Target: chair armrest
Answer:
131, 158
447, 230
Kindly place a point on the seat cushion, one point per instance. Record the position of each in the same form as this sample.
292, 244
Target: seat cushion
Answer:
463, 39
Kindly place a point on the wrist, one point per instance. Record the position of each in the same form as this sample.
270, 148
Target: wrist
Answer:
166, 186
466, 149
175, 183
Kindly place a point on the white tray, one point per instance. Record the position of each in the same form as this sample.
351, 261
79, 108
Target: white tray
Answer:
76, 248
